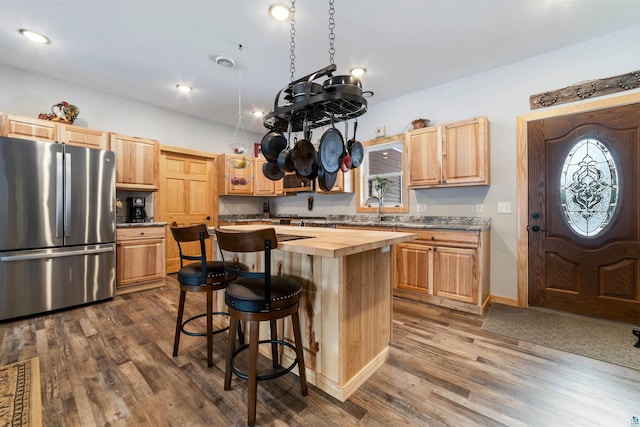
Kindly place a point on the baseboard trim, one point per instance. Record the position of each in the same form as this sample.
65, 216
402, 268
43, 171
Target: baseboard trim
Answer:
503, 300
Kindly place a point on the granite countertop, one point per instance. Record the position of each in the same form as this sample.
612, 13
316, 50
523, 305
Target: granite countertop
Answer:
404, 221
140, 224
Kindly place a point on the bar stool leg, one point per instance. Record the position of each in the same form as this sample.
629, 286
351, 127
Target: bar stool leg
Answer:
176, 341
254, 329
231, 347
209, 328
275, 361
295, 319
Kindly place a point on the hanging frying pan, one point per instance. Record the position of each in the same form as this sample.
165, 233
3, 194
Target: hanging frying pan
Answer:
330, 150
285, 162
326, 180
304, 158
272, 144
355, 148
303, 155
271, 171
345, 160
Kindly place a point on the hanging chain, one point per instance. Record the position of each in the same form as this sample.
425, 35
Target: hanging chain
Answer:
292, 43
332, 36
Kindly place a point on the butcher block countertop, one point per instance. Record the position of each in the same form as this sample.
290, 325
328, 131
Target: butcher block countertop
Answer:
329, 242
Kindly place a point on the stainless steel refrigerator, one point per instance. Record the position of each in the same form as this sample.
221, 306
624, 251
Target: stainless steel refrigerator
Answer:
57, 226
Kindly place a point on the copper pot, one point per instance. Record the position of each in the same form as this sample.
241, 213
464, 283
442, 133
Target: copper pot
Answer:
420, 123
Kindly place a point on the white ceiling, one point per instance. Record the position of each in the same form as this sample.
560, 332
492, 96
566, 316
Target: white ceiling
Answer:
140, 49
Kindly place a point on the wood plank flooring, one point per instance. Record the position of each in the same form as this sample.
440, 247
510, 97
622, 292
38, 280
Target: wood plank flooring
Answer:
110, 364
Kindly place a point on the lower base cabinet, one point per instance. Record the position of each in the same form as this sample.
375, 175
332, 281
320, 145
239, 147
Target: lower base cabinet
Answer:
140, 258
447, 268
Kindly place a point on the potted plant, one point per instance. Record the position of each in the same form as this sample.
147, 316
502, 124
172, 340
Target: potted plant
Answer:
381, 185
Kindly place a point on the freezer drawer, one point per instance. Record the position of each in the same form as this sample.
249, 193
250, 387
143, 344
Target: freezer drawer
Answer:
37, 281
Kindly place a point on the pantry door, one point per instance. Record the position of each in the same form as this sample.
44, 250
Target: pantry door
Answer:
584, 213
186, 196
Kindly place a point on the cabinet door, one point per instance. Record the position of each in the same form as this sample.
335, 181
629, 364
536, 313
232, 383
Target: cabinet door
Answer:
424, 148
136, 162
28, 128
344, 183
465, 152
262, 186
412, 268
236, 175
455, 273
82, 137
140, 261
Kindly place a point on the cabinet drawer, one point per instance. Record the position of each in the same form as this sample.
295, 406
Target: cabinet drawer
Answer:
446, 237
137, 233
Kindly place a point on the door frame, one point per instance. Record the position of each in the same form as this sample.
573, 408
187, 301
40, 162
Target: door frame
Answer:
523, 175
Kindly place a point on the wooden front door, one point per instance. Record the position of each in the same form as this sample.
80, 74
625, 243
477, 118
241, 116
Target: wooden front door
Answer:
186, 196
584, 213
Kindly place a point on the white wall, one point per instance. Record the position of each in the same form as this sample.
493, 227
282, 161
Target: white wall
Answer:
501, 94
29, 94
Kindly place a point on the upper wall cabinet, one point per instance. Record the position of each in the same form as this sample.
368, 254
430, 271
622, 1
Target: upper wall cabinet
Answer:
235, 175
263, 186
83, 137
136, 162
46, 130
344, 183
28, 128
452, 154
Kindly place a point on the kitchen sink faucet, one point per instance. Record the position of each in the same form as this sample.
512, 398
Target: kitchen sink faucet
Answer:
379, 199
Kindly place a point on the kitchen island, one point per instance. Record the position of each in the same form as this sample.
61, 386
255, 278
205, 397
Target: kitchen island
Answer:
346, 303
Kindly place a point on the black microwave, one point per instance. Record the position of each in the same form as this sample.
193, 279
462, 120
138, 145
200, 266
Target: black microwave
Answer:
296, 184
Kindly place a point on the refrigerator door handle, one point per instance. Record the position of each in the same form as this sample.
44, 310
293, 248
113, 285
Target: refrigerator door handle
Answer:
67, 194
55, 255
59, 195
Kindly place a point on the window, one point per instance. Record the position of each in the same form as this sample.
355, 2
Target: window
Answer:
588, 187
384, 159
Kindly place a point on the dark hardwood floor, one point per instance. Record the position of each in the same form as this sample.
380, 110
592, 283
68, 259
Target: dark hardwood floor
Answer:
110, 364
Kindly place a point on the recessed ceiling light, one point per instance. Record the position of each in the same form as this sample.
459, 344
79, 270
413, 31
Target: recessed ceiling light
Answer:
258, 113
358, 71
224, 61
184, 88
35, 37
279, 11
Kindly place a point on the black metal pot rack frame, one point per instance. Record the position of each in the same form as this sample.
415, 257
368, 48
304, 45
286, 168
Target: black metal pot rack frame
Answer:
328, 107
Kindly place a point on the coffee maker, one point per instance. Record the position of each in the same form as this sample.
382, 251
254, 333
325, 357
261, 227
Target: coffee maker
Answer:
137, 213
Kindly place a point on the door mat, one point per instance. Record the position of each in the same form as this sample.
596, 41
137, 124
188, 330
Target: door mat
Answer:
598, 339
20, 400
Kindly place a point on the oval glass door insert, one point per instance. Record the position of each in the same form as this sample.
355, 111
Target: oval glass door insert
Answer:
588, 187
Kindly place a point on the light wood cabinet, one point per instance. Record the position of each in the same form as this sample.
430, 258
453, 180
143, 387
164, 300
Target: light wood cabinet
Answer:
235, 175
262, 186
136, 162
140, 258
28, 128
452, 154
447, 268
83, 137
344, 183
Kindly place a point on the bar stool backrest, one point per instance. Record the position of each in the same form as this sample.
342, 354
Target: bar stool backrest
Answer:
192, 233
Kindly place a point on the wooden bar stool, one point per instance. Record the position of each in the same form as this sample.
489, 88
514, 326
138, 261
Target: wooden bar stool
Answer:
256, 297
200, 276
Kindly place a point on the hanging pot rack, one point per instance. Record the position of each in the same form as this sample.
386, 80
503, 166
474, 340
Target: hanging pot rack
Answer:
322, 109
330, 104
